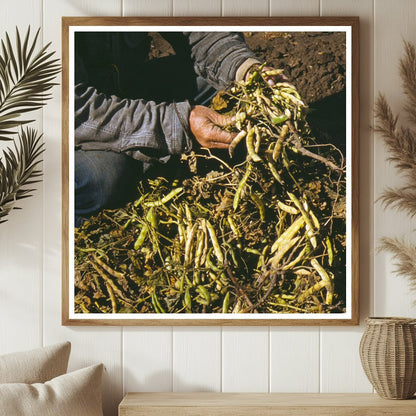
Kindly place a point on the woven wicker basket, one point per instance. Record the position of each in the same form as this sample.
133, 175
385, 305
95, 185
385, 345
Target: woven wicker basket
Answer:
388, 356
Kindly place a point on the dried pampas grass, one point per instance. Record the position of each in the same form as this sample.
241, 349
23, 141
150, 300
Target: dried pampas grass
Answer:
401, 144
405, 255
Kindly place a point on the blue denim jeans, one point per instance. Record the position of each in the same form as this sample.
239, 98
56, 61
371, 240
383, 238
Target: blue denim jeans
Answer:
105, 179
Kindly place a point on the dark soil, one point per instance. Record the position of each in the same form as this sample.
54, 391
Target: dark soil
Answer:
314, 62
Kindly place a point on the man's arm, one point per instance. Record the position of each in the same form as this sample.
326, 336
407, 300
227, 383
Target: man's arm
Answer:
224, 57
142, 129
220, 57
149, 131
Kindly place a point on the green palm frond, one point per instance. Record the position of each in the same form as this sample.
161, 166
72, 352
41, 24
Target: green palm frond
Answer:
19, 170
26, 77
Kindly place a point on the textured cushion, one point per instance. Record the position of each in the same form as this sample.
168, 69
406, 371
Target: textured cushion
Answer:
35, 366
73, 394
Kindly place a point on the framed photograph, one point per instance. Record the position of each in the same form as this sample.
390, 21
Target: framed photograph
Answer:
210, 171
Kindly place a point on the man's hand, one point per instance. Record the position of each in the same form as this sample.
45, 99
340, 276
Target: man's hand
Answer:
206, 126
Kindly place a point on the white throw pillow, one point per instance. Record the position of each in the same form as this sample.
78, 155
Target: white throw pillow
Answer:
35, 366
73, 394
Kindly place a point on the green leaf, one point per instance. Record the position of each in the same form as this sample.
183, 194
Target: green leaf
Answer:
25, 78
18, 170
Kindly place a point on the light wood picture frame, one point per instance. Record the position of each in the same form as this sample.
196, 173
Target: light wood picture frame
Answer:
325, 279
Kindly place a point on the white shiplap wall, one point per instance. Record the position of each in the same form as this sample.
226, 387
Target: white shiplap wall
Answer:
244, 359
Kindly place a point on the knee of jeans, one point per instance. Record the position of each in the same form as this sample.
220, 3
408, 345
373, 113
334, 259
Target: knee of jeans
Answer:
90, 192
104, 180
96, 180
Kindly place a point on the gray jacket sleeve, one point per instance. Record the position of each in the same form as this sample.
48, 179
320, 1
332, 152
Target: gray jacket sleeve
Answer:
218, 55
141, 129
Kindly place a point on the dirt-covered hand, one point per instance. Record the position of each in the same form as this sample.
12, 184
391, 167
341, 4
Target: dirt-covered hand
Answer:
206, 126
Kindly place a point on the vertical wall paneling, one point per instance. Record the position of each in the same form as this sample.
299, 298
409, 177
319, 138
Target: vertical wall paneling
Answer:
341, 370
11, 15
245, 8
196, 8
349, 376
21, 237
394, 22
294, 360
245, 359
148, 7
147, 359
89, 345
294, 8
196, 359
82, 8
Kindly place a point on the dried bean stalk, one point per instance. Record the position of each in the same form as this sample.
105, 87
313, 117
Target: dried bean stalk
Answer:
263, 231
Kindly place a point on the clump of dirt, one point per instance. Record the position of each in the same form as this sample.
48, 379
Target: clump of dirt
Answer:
159, 47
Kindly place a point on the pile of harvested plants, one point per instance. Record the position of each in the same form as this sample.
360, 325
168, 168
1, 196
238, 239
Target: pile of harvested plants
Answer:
261, 230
